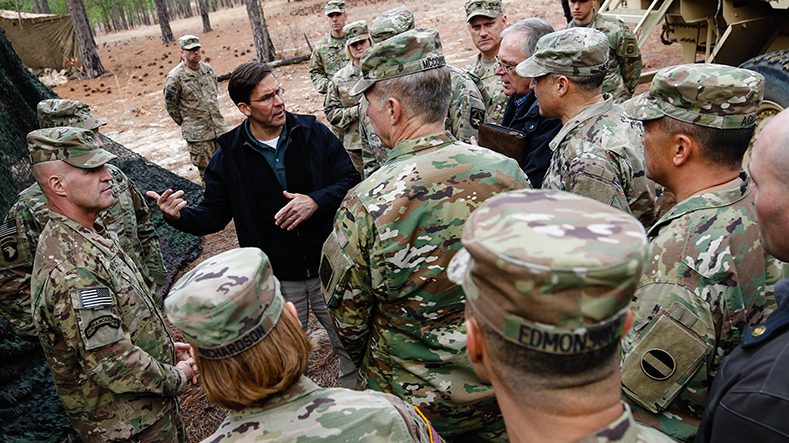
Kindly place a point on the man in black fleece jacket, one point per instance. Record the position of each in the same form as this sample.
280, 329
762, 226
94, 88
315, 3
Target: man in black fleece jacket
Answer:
281, 177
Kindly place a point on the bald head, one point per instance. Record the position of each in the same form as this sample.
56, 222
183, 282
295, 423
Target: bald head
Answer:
769, 170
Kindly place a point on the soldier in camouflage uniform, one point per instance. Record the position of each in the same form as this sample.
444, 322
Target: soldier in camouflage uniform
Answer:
486, 20
329, 55
597, 153
548, 298
190, 97
342, 109
466, 108
624, 62
394, 234
708, 277
252, 355
128, 218
116, 369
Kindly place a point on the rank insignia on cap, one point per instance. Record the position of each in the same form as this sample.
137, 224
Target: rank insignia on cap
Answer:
94, 298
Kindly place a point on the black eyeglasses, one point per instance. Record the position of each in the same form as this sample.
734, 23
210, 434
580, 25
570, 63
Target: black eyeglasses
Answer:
505, 66
268, 97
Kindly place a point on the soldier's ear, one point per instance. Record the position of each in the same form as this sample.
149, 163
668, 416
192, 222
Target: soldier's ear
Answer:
682, 146
562, 85
394, 109
57, 185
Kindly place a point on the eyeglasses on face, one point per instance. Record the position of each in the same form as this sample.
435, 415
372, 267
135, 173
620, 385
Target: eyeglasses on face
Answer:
268, 97
505, 66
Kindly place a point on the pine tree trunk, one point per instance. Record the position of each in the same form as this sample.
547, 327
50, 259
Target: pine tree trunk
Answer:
187, 7
36, 7
107, 25
164, 22
265, 50
87, 45
204, 15
45, 7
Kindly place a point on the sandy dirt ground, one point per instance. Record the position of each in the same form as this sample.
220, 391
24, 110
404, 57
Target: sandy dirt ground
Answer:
129, 98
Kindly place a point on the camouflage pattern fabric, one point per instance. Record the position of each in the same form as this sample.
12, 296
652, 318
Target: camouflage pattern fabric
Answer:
707, 279
579, 52
307, 413
189, 42
491, 89
709, 95
106, 342
75, 146
59, 112
328, 57
334, 6
598, 154
200, 154
390, 23
190, 97
624, 67
129, 218
485, 8
342, 111
398, 316
626, 430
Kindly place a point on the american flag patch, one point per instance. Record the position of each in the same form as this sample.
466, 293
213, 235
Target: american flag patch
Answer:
95, 298
8, 228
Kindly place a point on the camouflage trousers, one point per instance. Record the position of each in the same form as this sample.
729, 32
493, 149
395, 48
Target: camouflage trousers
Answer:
493, 433
201, 153
357, 160
169, 428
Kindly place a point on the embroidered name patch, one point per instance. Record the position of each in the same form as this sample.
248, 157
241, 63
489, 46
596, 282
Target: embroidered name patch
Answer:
104, 320
93, 298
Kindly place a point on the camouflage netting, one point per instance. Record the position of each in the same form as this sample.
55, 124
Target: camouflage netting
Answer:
29, 408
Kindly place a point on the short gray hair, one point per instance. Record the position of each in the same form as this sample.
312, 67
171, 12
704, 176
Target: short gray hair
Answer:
535, 27
426, 94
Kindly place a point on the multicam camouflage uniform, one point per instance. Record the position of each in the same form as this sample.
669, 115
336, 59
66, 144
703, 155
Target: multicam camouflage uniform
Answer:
489, 85
466, 108
624, 68
597, 153
190, 97
708, 277
328, 57
105, 340
399, 318
513, 267
223, 319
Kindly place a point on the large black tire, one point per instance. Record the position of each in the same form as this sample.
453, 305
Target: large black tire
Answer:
775, 69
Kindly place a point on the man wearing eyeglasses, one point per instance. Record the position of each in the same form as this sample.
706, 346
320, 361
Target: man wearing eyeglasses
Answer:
280, 177
522, 112
190, 96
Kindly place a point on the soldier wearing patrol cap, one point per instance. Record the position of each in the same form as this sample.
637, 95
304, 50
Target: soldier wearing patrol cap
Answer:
394, 234
252, 355
190, 97
485, 20
466, 109
749, 399
708, 276
329, 55
596, 153
341, 108
116, 368
548, 277
128, 218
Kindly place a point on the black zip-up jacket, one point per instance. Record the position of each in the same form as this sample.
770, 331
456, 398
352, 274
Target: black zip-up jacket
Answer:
241, 185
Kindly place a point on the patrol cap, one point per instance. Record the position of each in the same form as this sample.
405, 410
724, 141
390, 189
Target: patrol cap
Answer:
226, 304
75, 146
550, 270
189, 42
715, 96
390, 23
59, 112
413, 51
579, 52
485, 8
335, 6
356, 31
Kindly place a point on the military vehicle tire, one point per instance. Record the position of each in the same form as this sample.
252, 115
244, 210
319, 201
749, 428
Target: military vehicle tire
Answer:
775, 69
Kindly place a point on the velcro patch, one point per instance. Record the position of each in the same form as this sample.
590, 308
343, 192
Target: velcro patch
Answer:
477, 117
94, 298
105, 320
8, 228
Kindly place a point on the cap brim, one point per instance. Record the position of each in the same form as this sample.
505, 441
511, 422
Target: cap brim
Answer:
361, 86
529, 68
641, 108
332, 11
92, 123
192, 46
92, 160
358, 38
484, 13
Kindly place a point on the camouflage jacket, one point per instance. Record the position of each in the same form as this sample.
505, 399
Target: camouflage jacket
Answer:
625, 430
105, 340
707, 279
328, 57
190, 97
624, 62
383, 273
466, 113
128, 218
489, 85
598, 154
341, 109
306, 413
